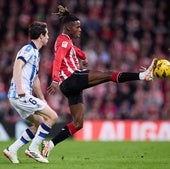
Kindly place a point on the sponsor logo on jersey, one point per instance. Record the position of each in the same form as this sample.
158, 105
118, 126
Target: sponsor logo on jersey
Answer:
64, 44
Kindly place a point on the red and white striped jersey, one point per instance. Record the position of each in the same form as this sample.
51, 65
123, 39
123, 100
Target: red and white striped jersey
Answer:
66, 58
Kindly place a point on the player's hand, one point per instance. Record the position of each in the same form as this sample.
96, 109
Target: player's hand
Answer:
53, 88
84, 63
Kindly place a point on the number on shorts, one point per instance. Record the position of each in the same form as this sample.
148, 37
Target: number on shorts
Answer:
34, 102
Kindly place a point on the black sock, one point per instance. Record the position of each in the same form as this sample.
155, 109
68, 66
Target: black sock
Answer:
127, 76
62, 135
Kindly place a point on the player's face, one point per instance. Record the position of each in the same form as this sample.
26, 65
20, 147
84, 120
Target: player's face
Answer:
75, 29
45, 38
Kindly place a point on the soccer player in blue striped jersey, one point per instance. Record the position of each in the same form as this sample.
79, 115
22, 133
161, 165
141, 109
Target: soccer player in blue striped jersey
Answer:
35, 109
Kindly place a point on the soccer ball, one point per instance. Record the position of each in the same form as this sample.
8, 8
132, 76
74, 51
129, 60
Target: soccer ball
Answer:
162, 69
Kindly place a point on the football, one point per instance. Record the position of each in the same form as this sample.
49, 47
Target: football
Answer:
162, 68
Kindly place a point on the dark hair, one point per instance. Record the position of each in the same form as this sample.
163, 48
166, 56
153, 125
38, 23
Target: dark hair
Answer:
65, 16
36, 29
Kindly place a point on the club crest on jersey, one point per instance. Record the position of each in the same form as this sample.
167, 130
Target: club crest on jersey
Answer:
64, 44
25, 53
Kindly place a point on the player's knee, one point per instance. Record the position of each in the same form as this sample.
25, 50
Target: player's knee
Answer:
54, 118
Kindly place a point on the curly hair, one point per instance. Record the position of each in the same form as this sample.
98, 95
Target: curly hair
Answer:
65, 16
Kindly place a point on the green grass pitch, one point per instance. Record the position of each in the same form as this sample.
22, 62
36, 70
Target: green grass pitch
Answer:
97, 155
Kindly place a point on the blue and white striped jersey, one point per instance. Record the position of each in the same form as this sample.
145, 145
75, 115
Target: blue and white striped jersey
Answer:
30, 55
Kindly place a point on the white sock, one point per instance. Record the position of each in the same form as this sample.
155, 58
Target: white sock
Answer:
24, 139
142, 75
41, 134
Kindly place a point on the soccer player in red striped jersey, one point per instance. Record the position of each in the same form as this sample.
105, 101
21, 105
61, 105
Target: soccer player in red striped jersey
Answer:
72, 80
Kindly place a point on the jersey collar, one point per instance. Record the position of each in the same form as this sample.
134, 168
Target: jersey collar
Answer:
66, 35
32, 43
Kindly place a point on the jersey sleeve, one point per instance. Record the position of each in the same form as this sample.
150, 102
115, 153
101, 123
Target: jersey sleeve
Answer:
61, 48
80, 54
25, 53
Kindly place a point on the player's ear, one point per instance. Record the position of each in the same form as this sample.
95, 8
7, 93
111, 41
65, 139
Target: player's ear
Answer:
67, 27
41, 36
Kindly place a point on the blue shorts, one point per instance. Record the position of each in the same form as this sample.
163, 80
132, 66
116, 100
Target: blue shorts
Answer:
73, 86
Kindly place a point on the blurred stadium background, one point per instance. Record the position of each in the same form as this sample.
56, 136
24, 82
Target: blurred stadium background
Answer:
116, 34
